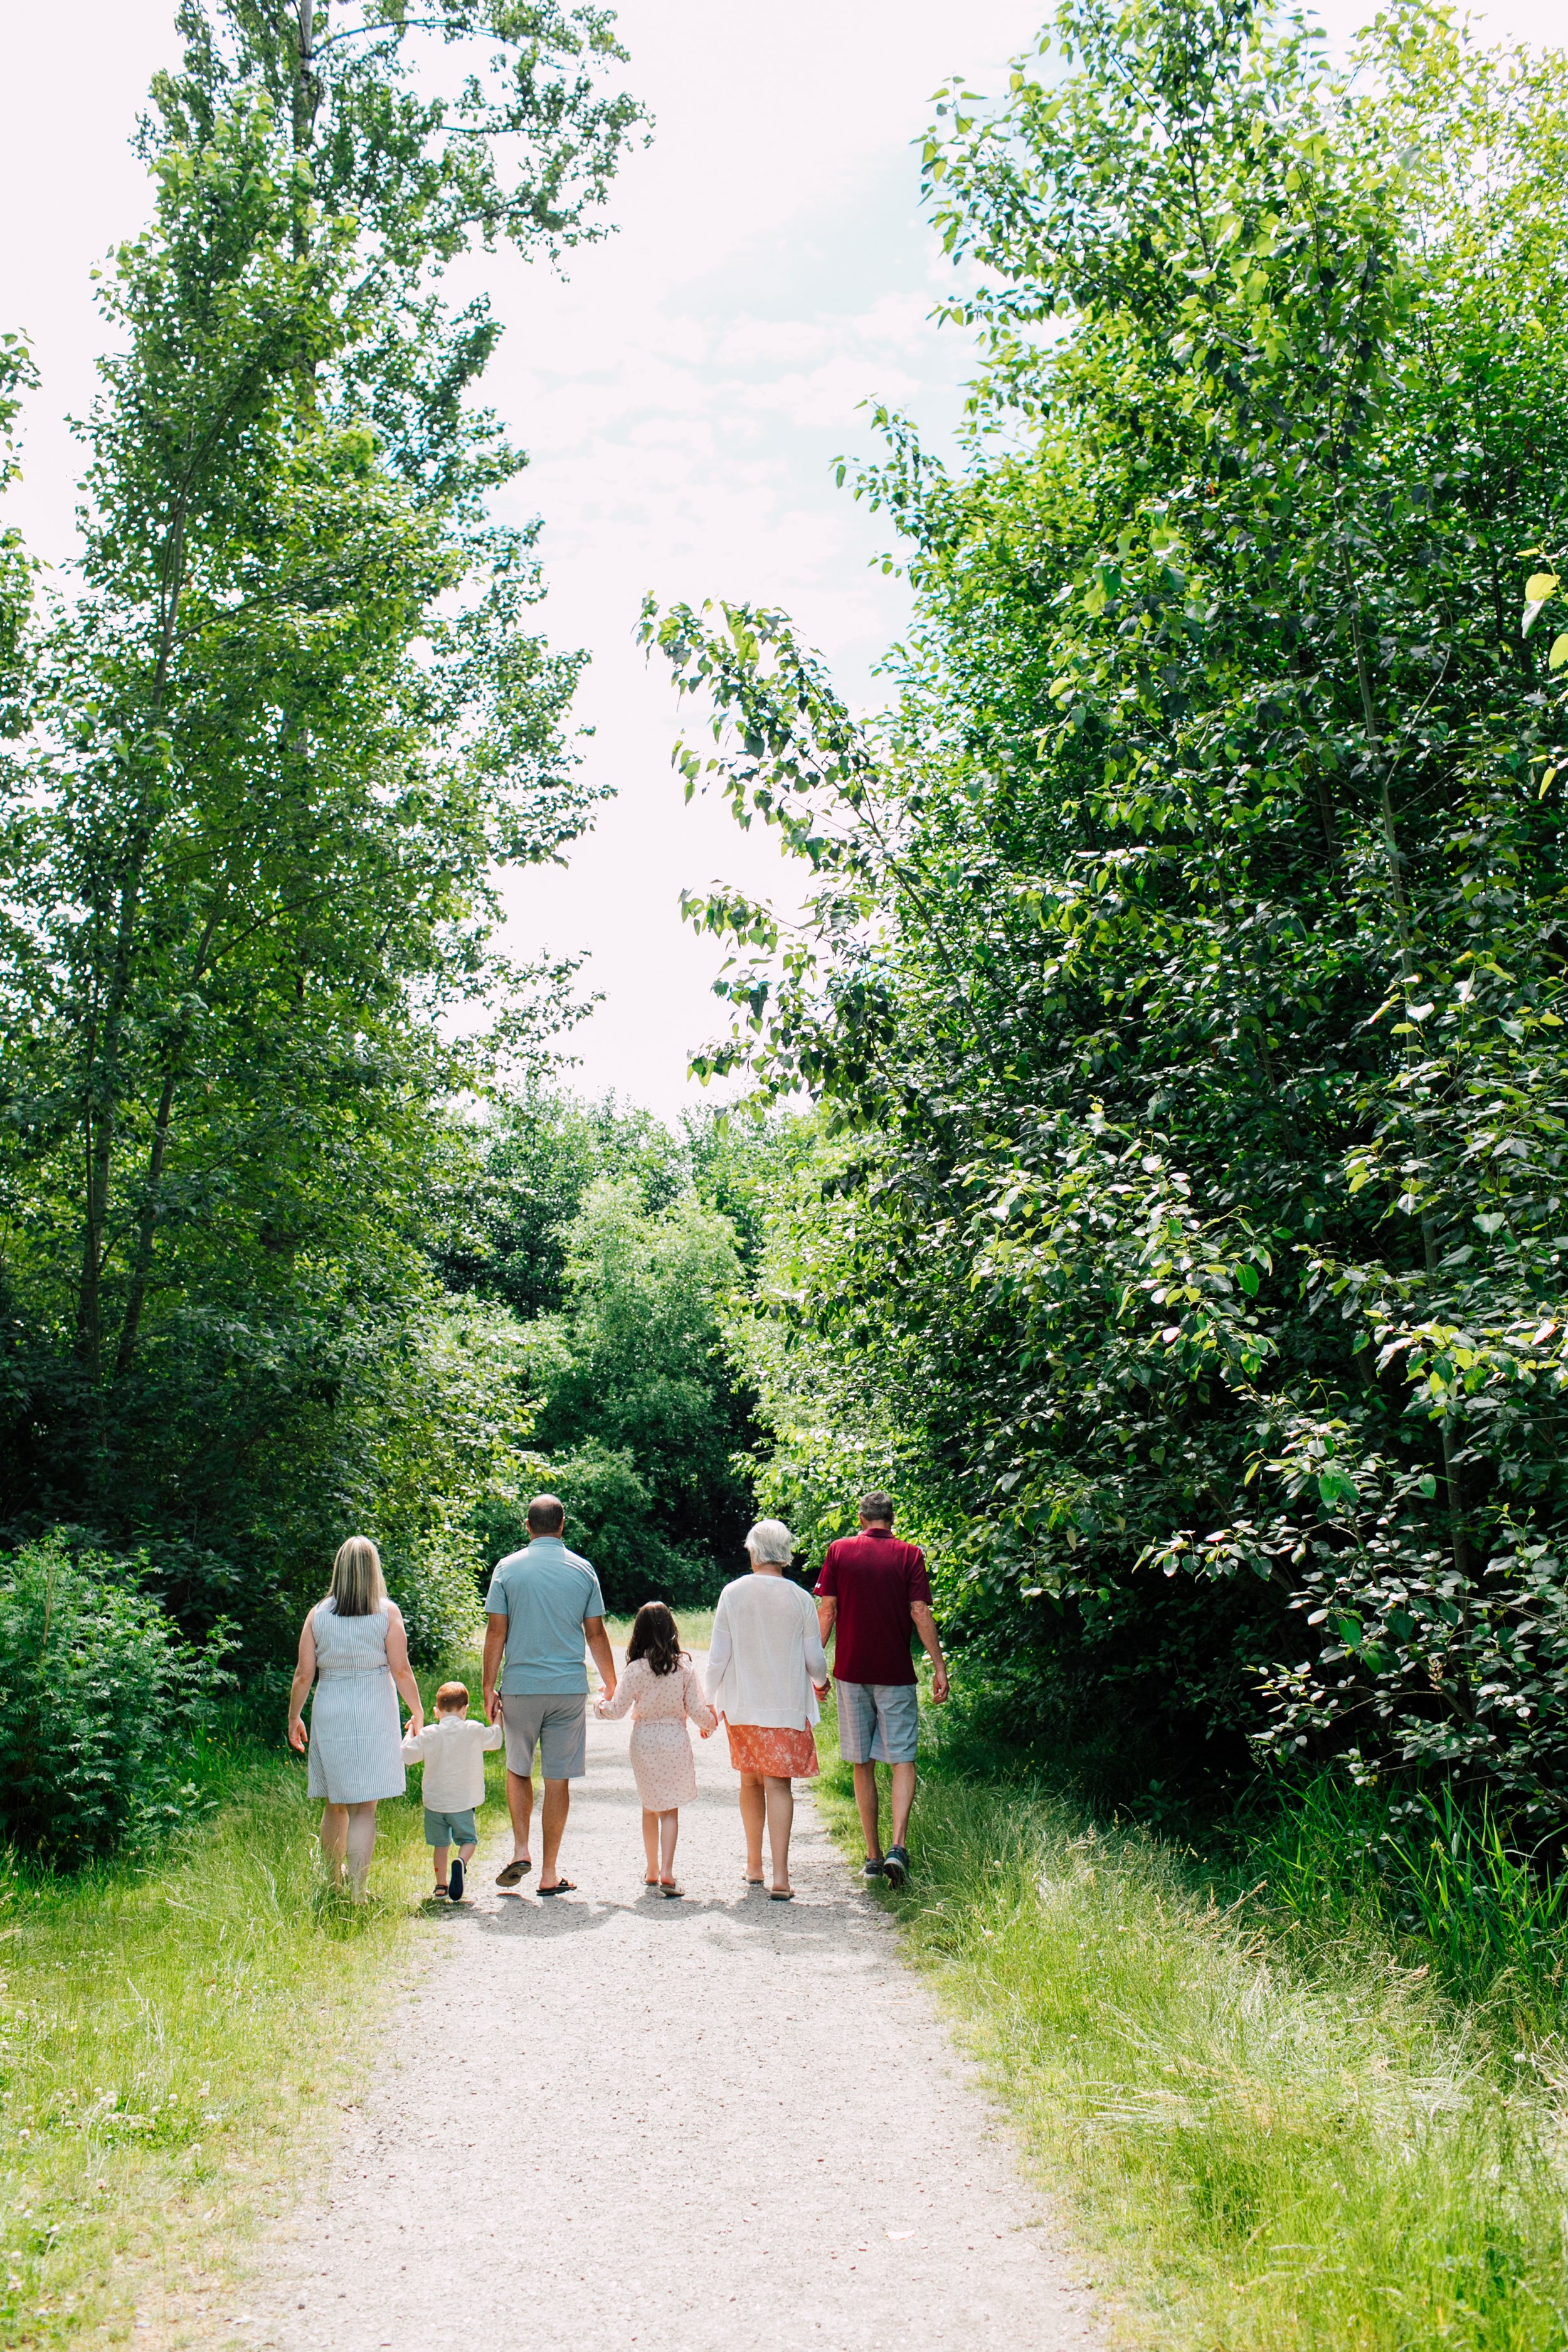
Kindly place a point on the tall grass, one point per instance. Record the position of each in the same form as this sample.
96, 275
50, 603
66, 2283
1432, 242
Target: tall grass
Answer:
1446, 1881
1277, 2133
179, 2035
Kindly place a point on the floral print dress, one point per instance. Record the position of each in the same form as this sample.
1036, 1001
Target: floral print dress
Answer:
661, 1706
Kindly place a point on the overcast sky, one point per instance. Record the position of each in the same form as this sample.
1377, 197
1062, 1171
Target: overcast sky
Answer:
682, 395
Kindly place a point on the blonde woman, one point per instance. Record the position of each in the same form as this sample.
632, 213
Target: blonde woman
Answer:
766, 1671
353, 1648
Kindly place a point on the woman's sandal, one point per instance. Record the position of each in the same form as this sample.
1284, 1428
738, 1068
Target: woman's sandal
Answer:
562, 1886
668, 1887
781, 1895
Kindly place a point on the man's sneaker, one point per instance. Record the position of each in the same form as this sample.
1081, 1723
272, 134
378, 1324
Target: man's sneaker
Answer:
895, 1867
455, 1881
871, 1868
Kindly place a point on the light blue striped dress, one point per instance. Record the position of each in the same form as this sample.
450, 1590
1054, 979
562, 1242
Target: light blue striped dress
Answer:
356, 1736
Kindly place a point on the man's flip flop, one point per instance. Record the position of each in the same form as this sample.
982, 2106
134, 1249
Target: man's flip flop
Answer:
512, 1872
562, 1886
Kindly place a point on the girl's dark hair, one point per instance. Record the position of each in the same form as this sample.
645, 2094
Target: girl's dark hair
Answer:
655, 1636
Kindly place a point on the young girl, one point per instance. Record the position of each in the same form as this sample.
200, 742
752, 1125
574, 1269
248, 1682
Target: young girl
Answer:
661, 1687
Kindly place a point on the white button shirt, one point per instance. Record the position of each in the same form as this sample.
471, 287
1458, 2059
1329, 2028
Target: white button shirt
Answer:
452, 1750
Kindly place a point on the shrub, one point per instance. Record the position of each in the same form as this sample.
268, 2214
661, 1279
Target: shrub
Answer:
100, 1699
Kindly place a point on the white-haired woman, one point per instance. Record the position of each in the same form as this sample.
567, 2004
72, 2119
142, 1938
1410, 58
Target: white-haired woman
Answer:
353, 1648
766, 1670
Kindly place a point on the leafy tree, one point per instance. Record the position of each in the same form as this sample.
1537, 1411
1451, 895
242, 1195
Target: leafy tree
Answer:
635, 1382
740, 1158
518, 1179
17, 375
1186, 941
268, 760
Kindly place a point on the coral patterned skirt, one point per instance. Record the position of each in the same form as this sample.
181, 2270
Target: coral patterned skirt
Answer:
772, 1749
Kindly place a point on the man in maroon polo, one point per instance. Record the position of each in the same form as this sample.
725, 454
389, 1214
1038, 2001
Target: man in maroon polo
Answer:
872, 1589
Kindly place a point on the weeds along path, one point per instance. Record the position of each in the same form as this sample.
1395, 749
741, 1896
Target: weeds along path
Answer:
725, 2124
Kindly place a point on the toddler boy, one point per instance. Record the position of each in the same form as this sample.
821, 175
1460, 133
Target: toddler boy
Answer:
452, 1750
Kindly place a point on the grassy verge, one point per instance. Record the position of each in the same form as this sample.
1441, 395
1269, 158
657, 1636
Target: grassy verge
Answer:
1277, 2134
696, 1628
180, 2034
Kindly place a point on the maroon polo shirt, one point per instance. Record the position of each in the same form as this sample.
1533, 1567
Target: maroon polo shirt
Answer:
875, 1579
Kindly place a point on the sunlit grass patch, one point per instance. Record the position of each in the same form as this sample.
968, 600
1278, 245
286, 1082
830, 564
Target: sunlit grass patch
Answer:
1273, 2141
180, 2035
696, 1628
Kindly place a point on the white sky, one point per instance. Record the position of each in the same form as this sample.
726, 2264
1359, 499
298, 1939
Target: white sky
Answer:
682, 395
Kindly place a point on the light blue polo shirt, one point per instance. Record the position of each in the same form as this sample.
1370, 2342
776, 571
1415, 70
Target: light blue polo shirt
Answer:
545, 1593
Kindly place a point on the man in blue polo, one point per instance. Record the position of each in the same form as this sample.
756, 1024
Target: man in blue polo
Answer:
543, 1604
872, 1593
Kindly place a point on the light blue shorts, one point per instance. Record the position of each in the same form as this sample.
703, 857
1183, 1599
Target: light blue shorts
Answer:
450, 1828
878, 1723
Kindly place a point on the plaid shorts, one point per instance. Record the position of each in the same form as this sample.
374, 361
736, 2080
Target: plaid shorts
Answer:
878, 1723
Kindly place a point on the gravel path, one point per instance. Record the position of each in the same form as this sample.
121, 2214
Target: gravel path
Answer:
724, 2125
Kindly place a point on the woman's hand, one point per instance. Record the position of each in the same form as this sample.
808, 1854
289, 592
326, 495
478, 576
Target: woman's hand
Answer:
820, 1689
298, 1735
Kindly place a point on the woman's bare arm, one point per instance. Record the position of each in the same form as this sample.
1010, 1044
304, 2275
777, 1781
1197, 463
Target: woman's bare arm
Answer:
402, 1672
304, 1676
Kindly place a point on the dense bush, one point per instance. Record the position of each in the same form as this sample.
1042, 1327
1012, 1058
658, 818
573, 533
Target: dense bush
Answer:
98, 1701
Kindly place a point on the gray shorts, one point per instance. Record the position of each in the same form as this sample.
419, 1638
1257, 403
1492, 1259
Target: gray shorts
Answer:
450, 1828
878, 1723
556, 1723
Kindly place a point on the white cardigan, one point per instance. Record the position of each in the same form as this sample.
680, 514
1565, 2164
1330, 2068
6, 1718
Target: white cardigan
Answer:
764, 1654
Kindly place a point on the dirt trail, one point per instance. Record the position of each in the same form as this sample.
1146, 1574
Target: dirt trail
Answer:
724, 2125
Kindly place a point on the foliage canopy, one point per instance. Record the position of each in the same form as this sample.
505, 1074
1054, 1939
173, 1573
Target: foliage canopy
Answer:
1184, 959
263, 769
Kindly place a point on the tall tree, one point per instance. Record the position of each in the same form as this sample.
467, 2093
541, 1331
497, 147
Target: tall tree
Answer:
1189, 936
273, 752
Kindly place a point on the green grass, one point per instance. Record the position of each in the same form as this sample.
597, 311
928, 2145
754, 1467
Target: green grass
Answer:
1277, 2137
178, 2036
1444, 1884
696, 1628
